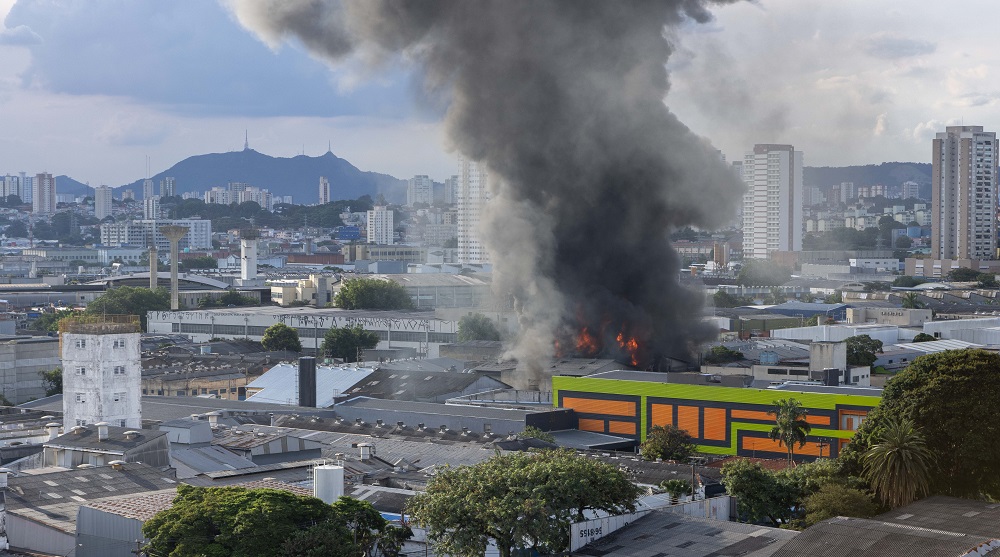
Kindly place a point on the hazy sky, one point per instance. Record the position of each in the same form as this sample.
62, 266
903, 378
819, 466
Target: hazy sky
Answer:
89, 88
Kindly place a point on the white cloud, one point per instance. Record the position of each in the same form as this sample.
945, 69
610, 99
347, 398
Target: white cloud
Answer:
22, 35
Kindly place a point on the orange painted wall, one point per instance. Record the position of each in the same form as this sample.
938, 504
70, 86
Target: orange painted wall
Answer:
591, 406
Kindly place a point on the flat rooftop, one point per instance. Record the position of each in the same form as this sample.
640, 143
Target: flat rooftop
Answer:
277, 311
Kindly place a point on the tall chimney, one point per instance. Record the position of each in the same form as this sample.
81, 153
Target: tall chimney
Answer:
102, 431
53, 429
307, 381
174, 235
153, 266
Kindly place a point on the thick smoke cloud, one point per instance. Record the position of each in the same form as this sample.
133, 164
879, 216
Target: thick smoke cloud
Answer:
563, 101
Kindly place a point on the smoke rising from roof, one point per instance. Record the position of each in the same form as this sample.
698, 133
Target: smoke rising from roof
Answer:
563, 101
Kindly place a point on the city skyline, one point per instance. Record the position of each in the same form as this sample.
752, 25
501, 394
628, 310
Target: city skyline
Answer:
861, 96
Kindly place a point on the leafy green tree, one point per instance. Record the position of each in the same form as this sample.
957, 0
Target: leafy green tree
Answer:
951, 399
723, 299
281, 337
321, 540
862, 350
667, 442
760, 494
345, 342
676, 487
50, 321
518, 501
203, 262
16, 229
906, 281
904, 242
924, 337
963, 274
911, 300
722, 355
987, 280
790, 426
532, 432
130, 300
231, 521
477, 326
835, 298
372, 293
898, 465
834, 499
370, 531
53, 381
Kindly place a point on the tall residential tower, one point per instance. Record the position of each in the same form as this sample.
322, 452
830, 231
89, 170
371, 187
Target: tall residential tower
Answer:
772, 205
472, 195
44, 199
964, 194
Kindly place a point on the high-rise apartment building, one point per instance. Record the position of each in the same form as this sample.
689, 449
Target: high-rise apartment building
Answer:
847, 192
147, 188
964, 194
102, 202
450, 194
910, 189
10, 185
44, 201
324, 190
168, 187
380, 226
772, 205
419, 189
472, 196
151, 208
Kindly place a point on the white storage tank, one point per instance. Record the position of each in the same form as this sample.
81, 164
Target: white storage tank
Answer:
328, 482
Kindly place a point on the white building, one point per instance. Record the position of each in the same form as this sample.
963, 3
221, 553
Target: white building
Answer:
324, 190
772, 205
473, 194
102, 374
910, 189
102, 202
450, 194
44, 200
139, 233
168, 187
27, 187
848, 192
151, 207
10, 185
380, 226
219, 196
964, 194
147, 188
259, 196
419, 189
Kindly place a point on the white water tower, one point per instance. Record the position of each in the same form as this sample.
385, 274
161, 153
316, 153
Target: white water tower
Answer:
328, 482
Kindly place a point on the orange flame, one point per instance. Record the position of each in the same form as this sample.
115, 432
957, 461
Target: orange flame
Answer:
586, 343
631, 346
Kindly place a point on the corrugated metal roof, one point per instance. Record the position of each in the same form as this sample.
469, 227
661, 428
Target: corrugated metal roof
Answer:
280, 384
210, 459
934, 346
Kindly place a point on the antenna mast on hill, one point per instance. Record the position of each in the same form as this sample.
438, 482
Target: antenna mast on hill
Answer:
246, 140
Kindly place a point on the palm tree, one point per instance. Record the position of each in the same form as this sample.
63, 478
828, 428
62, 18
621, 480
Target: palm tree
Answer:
911, 300
791, 426
898, 465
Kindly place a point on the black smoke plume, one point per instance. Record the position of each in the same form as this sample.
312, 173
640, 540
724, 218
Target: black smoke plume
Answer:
589, 170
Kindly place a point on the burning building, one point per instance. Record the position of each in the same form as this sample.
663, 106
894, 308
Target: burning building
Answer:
563, 101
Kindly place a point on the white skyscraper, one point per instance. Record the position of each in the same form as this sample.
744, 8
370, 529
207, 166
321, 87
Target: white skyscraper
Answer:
472, 195
380, 226
27, 187
102, 202
419, 189
168, 187
10, 185
324, 190
151, 208
147, 188
44, 201
772, 205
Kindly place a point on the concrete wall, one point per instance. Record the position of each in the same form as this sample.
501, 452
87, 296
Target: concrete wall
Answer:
104, 534
20, 364
889, 316
99, 393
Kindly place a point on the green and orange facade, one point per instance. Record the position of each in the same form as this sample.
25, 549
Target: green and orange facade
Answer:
722, 420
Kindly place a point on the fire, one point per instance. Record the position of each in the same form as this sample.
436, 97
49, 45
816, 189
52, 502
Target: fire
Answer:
631, 346
587, 344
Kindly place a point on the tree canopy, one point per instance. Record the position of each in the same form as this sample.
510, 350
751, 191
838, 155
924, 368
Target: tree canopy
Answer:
722, 355
924, 337
952, 399
667, 442
963, 274
906, 281
53, 380
344, 342
862, 350
518, 501
372, 293
761, 495
477, 326
281, 337
130, 300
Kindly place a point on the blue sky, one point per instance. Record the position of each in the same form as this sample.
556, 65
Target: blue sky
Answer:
89, 88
